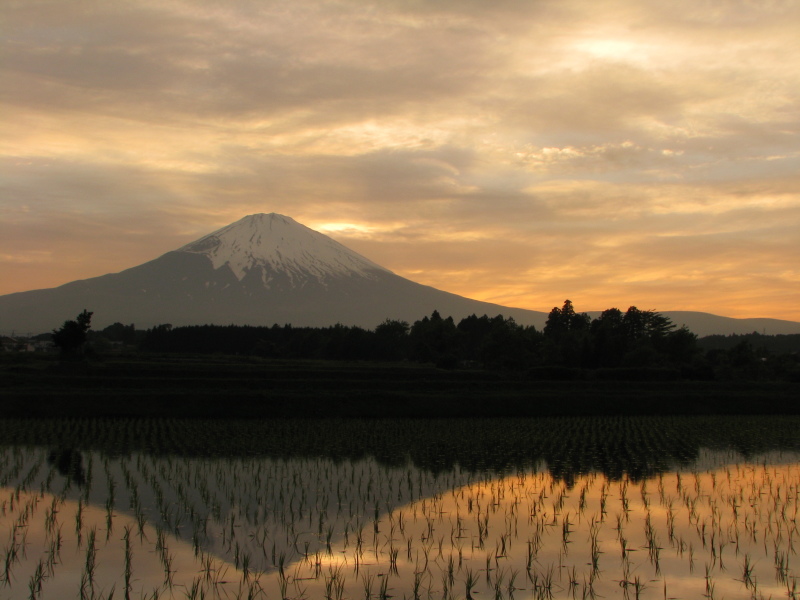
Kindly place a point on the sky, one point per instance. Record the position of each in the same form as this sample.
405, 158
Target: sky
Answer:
613, 152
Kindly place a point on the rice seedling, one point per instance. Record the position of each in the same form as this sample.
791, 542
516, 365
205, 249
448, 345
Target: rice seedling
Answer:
367, 580
747, 571
710, 585
91, 558
35, 583
128, 572
470, 581
416, 590
638, 587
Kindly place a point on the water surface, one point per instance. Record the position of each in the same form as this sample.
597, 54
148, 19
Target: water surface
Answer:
629, 508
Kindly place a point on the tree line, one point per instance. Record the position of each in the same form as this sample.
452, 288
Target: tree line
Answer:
637, 341
616, 339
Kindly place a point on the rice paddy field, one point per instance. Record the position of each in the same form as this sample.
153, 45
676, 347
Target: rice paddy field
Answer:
147, 385
605, 507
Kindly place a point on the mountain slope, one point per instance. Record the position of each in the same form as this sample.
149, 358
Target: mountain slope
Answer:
266, 269
261, 270
703, 324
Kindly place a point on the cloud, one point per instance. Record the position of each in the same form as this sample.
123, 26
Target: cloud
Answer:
516, 151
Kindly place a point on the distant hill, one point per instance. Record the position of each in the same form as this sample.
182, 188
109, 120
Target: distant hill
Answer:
266, 269
707, 324
775, 344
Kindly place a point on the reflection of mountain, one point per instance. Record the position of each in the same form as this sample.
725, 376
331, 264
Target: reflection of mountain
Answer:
261, 506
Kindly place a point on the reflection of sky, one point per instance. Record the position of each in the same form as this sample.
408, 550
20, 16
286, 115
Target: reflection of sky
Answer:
69, 566
703, 521
529, 511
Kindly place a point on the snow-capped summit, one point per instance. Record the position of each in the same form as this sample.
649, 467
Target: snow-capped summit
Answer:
273, 243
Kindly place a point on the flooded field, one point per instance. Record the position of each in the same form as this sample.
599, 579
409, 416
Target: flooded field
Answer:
717, 522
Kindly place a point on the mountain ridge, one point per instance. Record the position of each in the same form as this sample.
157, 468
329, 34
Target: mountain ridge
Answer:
267, 269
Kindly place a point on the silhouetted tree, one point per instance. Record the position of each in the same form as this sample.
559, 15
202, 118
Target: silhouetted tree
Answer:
681, 346
434, 340
566, 336
646, 323
472, 331
120, 333
507, 345
609, 337
391, 340
158, 339
71, 337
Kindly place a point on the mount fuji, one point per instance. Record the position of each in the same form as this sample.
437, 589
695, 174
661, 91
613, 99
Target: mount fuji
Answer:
261, 270
266, 269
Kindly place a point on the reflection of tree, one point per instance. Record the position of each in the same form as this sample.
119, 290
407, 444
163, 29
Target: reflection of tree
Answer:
636, 446
69, 463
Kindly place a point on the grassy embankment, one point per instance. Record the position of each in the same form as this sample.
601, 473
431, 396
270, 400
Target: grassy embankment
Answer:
224, 386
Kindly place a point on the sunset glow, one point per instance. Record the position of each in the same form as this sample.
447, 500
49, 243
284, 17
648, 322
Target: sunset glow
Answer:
615, 153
